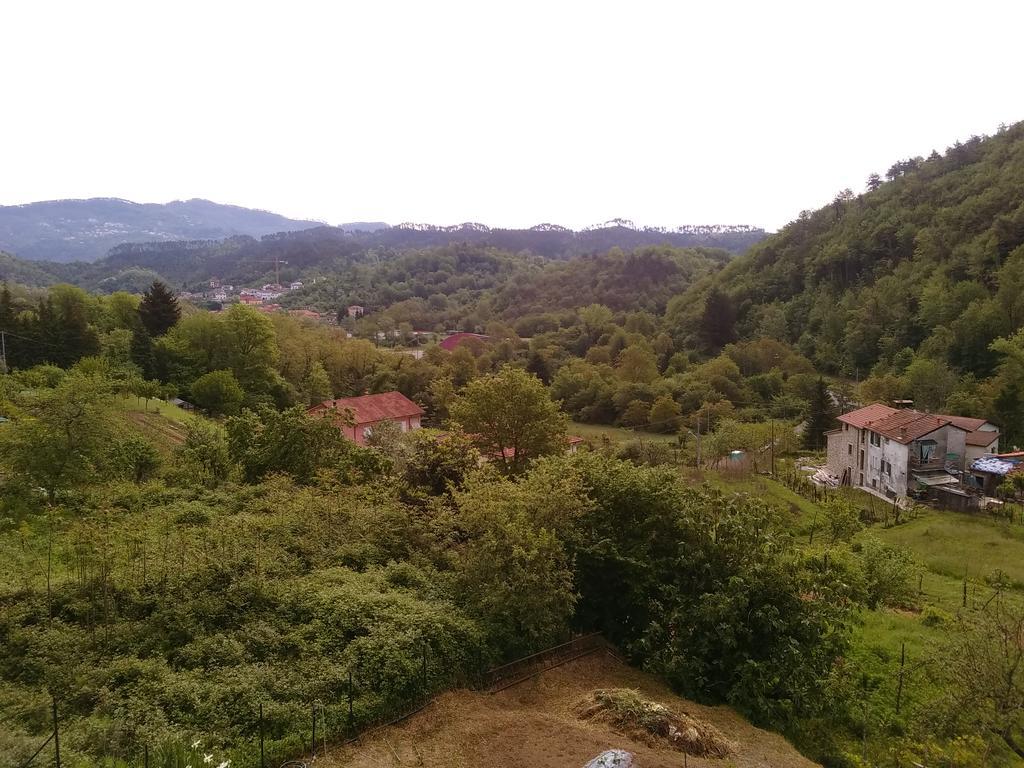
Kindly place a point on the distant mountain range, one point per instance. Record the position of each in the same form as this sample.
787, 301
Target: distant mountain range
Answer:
109, 244
85, 230
88, 230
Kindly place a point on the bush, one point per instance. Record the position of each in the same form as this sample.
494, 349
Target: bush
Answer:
933, 616
887, 572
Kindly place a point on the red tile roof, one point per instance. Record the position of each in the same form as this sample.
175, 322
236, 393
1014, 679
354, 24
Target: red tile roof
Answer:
906, 425
975, 434
861, 417
369, 409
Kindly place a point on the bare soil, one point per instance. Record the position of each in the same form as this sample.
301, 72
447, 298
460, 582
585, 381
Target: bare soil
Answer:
536, 725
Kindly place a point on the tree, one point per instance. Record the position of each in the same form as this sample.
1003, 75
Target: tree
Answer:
514, 572
293, 442
887, 572
665, 415
874, 182
637, 364
204, 457
537, 364
718, 322
134, 458
930, 381
141, 351
842, 518
704, 590
317, 384
218, 392
250, 345
1008, 404
64, 440
159, 310
984, 675
820, 417
511, 418
439, 464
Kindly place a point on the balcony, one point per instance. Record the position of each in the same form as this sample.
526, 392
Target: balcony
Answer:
918, 463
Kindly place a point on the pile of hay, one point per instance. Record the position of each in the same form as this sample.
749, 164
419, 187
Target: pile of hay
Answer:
625, 710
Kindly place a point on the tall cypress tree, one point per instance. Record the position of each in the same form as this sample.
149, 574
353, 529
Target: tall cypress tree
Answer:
159, 310
820, 418
141, 351
718, 323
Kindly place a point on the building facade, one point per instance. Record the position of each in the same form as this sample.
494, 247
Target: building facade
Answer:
892, 451
356, 417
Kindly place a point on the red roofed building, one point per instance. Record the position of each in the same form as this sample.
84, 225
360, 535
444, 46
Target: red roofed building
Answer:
367, 411
892, 451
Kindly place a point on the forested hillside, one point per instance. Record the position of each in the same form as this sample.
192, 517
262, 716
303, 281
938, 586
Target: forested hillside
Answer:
928, 259
324, 251
84, 230
466, 286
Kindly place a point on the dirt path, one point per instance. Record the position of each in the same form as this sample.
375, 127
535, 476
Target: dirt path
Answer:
533, 725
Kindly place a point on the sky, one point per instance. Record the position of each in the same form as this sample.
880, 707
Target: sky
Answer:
510, 114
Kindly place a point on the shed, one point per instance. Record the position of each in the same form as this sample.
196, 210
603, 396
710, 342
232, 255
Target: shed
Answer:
955, 499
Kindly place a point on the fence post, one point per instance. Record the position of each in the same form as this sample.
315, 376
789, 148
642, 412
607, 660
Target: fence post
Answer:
145, 756
351, 717
965, 594
424, 666
312, 740
263, 763
56, 734
899, 688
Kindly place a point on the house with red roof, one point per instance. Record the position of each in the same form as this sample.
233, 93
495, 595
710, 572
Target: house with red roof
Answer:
356, 417
895, 450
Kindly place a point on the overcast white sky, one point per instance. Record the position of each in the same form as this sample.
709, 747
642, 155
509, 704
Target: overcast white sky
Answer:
513, 114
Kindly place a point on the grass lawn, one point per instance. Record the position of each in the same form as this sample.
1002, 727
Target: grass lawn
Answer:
595, 432
154, 405
955, 544
157, 420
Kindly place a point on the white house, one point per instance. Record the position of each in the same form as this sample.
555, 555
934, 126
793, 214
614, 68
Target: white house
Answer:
891, 451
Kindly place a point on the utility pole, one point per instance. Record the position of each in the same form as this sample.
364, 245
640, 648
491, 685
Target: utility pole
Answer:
698, 439
278, 261
56, 735
3, 350
773, 447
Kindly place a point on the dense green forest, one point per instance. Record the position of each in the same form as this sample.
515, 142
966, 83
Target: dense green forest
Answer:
927, 263
322, 251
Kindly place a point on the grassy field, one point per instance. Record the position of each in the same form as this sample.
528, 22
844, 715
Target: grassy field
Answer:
950, 548
596, 432
959, 545
157, 420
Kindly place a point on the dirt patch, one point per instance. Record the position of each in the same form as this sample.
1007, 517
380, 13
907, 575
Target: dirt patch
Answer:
629, 713
536, 724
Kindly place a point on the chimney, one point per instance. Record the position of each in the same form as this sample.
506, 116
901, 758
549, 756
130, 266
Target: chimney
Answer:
903, 432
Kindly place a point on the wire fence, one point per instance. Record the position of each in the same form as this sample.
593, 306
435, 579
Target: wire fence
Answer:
367, 703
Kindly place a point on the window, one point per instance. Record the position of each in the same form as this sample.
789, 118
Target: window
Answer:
849, 449
886, 468
876, 439
367, 431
